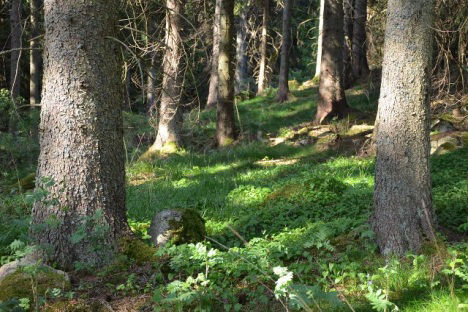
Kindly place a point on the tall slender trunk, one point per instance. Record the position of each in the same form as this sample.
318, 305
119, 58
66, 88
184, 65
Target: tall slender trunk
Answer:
360, 67
241, 52
348, 9
15, 58
170, 113
225, 127
403, 213
35, 54
213, 88
263, 48
81, 135
319, 40
332, 100
283, 88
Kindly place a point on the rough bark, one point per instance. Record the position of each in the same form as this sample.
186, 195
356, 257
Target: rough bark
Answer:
348, 8
170, 113
332, 100
283, 88
35, 54
213, 88
241, 52
15, 45
403, 213
319, 40
225, 107
360, 68
81, 133
263, 48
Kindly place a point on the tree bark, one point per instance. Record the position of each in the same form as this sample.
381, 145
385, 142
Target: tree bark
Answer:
319, 40
403, 213
35, 54
263, 48
170, 113
360, 68
15, 43
332, 100
225, 108
348, 8
283, 88
81, 134
241, 52
213, 88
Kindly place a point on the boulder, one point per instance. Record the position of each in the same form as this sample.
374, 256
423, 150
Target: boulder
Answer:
15, 282
177, 225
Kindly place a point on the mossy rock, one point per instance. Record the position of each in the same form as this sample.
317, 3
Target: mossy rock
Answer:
18, 284
177, 225
134, 248
26, 183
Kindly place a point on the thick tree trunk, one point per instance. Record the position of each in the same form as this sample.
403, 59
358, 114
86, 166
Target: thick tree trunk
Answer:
263, 49
213, 88
319, 40
170, 113
283, 88
15, 43
348, 9
360, 67
241, 52
80, 135
35, 54
332, 100
403, 213
225, 108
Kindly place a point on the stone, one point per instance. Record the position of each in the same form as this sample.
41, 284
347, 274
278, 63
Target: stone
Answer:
177, 225
356, 130
443, 144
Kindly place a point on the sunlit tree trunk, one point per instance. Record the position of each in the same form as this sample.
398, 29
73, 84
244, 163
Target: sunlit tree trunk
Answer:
347, 47
403, 213
225, 107
263, 48
170, 113
319, 39
283, 88
241, 52
213, 88
81, 135
332, 100
360, 67
35, 54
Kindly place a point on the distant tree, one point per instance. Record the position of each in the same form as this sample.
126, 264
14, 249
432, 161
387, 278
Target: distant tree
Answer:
283, 88
403, 213
81, 134
35, 53
225, 108
15, 46
319, 39
263, 48
332, 100
360, 67
213, 88
170, 114
348, 10
241, 50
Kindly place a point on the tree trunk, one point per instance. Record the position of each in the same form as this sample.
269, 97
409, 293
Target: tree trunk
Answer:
263, 49
360, 67
283, 88
170, 112
213, 89
241, 52
225, 108
35, 55
348, 9
15, 43
332, 100
81, 135
403, 213
319, 40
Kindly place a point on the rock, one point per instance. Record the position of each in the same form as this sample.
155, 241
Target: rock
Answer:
442, 126
356, 130
444, 144
16, 283
177, 225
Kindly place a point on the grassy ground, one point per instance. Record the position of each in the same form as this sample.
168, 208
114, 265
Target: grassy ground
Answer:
286, 224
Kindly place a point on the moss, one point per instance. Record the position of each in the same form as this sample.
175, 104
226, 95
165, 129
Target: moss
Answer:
138, 250
464, 138
190, 228
18, 284
293, 85
26, 183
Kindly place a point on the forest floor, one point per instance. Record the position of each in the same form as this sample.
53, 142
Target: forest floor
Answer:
286, 210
